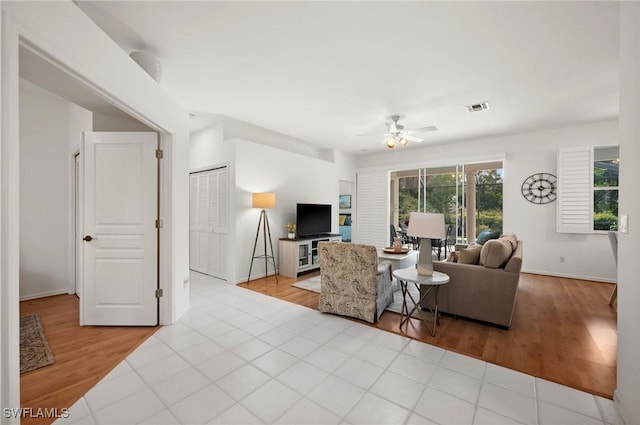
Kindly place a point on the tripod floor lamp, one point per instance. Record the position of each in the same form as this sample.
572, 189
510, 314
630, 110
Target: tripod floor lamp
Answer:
263, 201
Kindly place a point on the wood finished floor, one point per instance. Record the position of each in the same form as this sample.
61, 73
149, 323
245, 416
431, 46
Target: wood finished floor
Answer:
83, 355
563, 330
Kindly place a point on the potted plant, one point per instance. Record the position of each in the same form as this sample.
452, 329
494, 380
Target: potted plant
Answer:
291, 230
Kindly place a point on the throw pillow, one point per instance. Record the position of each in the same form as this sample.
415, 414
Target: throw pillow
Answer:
453, 257
495, 253
483, 237
469, 255
486, 235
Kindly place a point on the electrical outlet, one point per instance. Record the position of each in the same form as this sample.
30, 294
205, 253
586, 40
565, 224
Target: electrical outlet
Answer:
562, 259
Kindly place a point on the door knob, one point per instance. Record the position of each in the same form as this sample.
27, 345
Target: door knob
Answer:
87, 238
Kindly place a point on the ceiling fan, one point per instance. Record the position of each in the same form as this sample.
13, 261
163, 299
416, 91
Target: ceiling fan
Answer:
397, 134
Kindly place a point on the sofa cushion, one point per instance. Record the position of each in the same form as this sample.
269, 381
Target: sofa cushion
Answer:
470, 255
512, 238
495, 253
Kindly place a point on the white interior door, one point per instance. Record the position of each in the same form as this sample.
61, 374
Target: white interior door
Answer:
119, 191
208, 221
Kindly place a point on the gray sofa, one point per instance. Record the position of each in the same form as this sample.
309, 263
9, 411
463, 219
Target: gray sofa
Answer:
481, 292
352, 282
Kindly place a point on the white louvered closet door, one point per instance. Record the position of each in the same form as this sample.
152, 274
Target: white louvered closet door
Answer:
208, 222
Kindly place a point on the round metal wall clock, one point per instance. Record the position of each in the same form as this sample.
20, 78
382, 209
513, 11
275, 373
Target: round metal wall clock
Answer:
540, 188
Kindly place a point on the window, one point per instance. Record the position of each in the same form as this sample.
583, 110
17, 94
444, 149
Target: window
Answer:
469, 195
588, 189
605, 188
489, 200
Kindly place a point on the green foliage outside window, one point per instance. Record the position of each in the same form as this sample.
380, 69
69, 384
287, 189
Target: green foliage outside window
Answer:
605, 209
489, 200
605, 188
441, 198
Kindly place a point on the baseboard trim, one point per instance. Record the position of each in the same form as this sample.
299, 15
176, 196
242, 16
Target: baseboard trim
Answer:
571, 276
43, 294
257, 276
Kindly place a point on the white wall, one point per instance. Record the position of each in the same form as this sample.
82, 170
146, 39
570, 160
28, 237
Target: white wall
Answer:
294, 178
268, 163
586, 256
47, 124
628, 384
207, 148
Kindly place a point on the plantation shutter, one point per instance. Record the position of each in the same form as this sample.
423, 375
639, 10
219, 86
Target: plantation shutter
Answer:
575, 190
372, 205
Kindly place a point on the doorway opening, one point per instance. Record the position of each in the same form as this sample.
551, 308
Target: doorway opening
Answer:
55, 110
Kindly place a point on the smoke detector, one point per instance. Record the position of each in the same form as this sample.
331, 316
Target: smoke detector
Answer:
477, 107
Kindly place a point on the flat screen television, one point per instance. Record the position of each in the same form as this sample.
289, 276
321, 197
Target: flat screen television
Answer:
313, 219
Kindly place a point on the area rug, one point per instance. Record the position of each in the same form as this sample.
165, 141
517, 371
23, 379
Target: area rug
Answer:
34, 349
313, 284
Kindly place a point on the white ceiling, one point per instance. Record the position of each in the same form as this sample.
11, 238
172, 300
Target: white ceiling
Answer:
323, 72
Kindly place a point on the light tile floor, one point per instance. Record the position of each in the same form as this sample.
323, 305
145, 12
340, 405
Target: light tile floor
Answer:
240, 357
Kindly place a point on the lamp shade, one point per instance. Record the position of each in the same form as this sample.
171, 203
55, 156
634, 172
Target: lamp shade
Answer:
263, 200
426, 225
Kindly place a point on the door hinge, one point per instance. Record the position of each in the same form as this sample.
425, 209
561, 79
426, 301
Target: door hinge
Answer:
159, 293
159, 224
159, 153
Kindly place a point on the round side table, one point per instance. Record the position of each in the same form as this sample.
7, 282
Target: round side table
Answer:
431, 283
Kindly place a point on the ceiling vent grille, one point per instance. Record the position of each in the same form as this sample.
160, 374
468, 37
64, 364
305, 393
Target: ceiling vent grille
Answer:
477, 107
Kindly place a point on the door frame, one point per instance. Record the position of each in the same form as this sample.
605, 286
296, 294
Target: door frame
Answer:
38, 30
165, 142
75, 228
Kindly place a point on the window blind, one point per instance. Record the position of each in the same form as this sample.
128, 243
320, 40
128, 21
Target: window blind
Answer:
372, 212
575, 190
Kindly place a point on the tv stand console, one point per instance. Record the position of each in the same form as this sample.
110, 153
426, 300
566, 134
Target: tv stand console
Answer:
301, 254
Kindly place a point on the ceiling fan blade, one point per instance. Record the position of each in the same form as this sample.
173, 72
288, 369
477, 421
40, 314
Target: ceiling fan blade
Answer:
413, 138
423, 129
375, 134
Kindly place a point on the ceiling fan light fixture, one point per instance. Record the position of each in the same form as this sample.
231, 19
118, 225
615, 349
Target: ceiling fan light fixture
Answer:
391, 142
397, 136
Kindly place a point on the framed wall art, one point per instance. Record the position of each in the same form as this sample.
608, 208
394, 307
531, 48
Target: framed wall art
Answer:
344, 201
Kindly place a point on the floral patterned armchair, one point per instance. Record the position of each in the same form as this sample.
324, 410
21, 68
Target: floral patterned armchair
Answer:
352, 283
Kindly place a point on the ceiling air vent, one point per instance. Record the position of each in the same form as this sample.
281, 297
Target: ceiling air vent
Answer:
477, 107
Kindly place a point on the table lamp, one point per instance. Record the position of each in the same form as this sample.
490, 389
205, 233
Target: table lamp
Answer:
426, 226
263, 201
